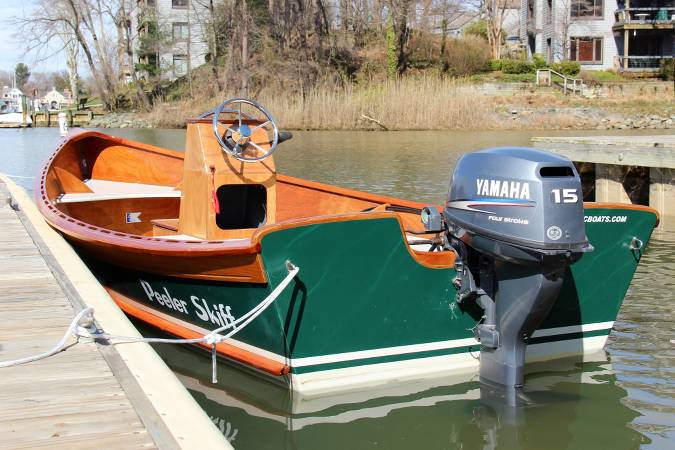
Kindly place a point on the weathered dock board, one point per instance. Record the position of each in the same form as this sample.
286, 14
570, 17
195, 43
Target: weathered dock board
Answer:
647, 151
87, 396
71, 400
609, 153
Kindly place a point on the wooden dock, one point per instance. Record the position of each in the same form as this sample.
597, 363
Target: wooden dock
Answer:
74, 118
611, 154
88, 396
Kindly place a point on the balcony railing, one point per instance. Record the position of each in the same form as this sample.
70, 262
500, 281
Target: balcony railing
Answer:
642, 63
663, 15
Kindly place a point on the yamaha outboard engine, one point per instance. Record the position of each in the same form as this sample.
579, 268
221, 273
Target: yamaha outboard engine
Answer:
515, 218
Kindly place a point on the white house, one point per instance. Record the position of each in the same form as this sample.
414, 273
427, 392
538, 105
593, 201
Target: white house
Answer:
182, 27
11, 96
600, 34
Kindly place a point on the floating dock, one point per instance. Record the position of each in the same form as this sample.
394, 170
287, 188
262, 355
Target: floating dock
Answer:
89, 395
611, 153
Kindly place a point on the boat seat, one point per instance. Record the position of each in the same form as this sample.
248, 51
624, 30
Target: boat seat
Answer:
116, 190
181, 237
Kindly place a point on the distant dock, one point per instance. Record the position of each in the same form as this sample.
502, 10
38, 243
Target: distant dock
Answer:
611, 154
89, 395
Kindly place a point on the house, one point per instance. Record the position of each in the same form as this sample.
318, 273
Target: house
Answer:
457, 22
625, 35
55, 100
11, 96
460, 19
171, 36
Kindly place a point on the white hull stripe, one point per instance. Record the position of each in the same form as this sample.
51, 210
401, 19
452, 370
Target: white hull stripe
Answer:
573, 329
378, 352
374, 353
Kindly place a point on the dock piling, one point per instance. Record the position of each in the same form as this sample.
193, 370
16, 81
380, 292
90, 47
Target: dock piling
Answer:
662, 190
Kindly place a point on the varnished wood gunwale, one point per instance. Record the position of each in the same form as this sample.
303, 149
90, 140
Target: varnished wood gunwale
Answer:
109, 242
132, 247
349, 193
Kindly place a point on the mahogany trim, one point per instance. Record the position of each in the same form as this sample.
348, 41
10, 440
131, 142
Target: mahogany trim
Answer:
600, 205
346, 192
224, 349
111, 241
440, 262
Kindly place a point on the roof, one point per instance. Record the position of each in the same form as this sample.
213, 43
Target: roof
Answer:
8, 90
461, 19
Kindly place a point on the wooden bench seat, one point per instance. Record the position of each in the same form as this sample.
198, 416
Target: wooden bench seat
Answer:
115, 190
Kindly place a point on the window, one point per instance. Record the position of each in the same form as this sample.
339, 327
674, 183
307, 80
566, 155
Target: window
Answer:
180, 65
549, 12
179, 4
591, 9
180, 31
586, 50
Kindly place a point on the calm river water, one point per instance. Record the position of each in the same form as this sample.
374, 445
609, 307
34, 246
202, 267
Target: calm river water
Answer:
623, 399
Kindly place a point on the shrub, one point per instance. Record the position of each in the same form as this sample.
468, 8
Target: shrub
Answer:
516, 66
495, 65
666, 69
539, 61
477, 28
467, 55
569, 68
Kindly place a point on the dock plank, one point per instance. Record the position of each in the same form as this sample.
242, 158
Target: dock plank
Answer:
648, 151
71, 400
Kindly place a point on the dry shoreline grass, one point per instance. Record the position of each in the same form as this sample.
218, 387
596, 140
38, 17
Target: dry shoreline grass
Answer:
407, 104
418, 103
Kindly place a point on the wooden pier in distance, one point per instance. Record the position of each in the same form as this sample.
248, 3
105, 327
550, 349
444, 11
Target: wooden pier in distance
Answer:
74, 118
89, 395
610, 153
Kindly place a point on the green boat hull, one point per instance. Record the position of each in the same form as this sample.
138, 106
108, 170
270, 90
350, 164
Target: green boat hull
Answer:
363, 310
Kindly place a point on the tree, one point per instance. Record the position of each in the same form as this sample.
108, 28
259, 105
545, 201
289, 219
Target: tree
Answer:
493, 11
60, 81
52, 24
477, 28
392, 58
400, 10
21, 74
122, 15
562, 20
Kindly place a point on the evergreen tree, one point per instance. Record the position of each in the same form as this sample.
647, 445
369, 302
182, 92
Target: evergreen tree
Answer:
22, 74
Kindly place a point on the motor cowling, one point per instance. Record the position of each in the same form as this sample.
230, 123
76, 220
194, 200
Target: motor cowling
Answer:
518, 204
515, 218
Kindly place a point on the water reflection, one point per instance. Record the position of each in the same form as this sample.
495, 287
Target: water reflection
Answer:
567, 404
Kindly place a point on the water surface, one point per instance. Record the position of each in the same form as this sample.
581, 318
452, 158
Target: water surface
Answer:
624, 399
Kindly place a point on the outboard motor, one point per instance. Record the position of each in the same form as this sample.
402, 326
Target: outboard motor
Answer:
515, 218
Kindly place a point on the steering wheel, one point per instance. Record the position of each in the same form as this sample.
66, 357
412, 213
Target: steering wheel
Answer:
236, 139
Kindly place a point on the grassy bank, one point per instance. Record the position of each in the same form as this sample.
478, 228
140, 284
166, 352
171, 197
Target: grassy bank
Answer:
407, 104
424, 103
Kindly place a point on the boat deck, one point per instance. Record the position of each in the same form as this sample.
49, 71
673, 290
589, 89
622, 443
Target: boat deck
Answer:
83, 397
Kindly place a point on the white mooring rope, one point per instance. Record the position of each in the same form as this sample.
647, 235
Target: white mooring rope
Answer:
86, 314
83, 325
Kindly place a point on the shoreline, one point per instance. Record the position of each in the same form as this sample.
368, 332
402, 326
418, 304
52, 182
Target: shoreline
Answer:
516, 118
429, 103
